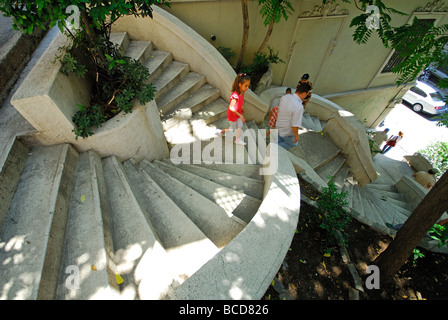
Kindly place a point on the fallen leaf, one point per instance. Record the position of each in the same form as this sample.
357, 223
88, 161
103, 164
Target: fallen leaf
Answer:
118, 278
93, 267
83, 198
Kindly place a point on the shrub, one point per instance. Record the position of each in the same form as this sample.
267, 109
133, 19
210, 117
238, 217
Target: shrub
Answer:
119, 80
332, 216
437, 153
260, 65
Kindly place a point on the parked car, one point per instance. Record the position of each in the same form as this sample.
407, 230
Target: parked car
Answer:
425, 98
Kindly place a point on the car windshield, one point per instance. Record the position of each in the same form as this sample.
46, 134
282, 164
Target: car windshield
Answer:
436, 96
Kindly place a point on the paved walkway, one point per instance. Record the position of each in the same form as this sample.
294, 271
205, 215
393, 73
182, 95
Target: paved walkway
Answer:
419, 131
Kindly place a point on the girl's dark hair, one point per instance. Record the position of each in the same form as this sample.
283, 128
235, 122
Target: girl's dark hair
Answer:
303, 87
240, 78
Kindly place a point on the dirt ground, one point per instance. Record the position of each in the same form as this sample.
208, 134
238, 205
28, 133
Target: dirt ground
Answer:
309, 275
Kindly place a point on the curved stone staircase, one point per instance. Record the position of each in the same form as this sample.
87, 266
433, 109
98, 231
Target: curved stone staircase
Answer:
153, 224
75, 226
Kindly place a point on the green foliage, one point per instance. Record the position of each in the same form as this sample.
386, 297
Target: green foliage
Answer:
439, 233
117, 80
29, 15
261, 61
418, 43
87, 118
416, 254
374, 148
226, 52
260, 65
70, 64
437, 153
275, 9
443, 120
362, 33
332, 216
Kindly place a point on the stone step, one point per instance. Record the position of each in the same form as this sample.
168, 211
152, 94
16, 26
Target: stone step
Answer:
184, 88
307, 122
139, 50
184, 111
341, 176
212, 112
259, 135
316, 149
348, 188
174, 229
140, 258
397, 200
331, 167
33, 230
249, 186
250, 136
156, 63
382, 186
122, 40
317, 124
383, 176
234, 202
370, 210
219, 226
322, 124
384, 194
88, 239
405, 210
389, 212
249, 170
357, 203
225, 149
169, 77
188, 248
12, 161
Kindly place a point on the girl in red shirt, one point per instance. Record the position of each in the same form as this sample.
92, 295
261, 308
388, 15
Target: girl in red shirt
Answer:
235, 110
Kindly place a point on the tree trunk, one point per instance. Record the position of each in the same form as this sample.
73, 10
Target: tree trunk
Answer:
245, 34
414, 229
268, 35
88, 29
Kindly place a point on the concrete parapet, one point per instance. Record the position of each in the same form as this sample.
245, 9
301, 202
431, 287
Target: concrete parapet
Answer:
412, 190
418, 162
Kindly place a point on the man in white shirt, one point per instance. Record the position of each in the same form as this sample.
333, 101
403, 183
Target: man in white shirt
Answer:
290, 115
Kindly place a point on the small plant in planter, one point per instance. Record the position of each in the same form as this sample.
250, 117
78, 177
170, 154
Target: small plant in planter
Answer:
260, 64
116, 80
